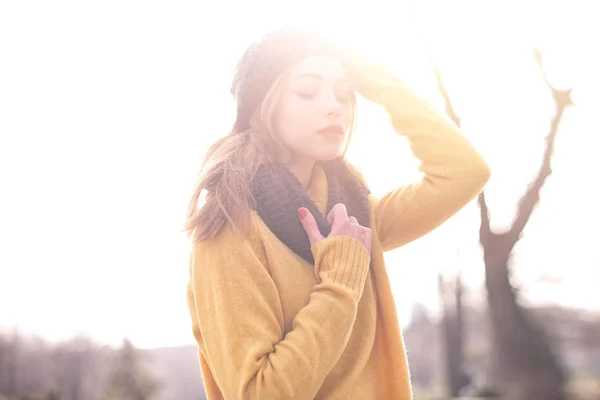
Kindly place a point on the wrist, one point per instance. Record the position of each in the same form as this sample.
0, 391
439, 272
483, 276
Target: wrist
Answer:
343, 260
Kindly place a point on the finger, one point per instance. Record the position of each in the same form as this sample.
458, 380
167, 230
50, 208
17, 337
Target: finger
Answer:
310, 225
329, 217
338, 214
353, 220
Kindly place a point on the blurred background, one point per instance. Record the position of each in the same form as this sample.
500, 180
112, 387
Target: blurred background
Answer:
106, 109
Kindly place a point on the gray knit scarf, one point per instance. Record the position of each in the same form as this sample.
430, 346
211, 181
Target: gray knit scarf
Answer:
278, 194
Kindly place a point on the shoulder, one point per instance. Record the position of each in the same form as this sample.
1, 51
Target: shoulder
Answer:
229, 246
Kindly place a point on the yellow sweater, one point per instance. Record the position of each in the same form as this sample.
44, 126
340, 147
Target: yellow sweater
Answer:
271, 326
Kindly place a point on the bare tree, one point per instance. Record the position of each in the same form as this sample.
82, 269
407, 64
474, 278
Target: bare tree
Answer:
11, 365
525, 356
4, 347
129, 379
451, 295
75, 369
527, 364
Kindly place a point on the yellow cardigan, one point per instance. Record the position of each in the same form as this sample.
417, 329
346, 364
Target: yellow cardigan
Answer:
271, 326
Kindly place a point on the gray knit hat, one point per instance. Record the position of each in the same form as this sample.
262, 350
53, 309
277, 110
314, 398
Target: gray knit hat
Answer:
264, 60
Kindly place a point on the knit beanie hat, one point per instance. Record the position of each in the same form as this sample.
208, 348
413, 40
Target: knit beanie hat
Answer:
264, 60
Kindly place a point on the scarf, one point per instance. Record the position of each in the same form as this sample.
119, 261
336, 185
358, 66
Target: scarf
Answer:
278, 194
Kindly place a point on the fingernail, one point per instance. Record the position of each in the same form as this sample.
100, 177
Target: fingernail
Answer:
302, 213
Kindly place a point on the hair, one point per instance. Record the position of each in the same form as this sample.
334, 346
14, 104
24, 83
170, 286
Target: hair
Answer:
223, 192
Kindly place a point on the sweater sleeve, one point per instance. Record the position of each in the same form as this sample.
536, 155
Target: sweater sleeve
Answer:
453, 172
237, 310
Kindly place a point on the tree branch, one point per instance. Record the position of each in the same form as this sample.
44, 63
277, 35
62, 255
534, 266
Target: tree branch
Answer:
484, 228
444, 92
562, 99
485, 231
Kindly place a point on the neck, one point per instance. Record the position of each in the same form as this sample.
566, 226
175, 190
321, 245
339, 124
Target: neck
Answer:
303, 170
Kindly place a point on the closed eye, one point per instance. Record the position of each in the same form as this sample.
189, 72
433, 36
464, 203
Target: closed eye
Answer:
344, 96
307, 93
343, 91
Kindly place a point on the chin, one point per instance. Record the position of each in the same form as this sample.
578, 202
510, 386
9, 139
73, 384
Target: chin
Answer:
328, 154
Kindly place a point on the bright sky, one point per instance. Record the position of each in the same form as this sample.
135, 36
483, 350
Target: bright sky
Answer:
106, 109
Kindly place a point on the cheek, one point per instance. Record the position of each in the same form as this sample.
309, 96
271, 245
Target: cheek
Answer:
294, 120
346, 116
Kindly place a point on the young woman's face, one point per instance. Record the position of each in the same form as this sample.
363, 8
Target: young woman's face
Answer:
313, 118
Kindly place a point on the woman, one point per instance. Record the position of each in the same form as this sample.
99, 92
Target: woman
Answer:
288, 291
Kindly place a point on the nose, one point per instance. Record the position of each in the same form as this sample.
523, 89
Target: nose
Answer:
331, 104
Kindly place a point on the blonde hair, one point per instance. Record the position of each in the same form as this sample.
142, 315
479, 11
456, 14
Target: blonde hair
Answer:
223, 192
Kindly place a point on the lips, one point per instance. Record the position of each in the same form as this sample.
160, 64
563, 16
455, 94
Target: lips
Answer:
332, 130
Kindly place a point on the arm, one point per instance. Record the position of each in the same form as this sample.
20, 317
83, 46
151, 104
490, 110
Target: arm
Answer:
238, 312
453, 171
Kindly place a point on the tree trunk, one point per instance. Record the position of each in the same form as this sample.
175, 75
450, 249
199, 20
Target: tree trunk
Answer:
528, 367
453, 333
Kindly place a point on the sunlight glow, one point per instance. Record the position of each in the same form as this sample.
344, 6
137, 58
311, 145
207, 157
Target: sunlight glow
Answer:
107, 108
